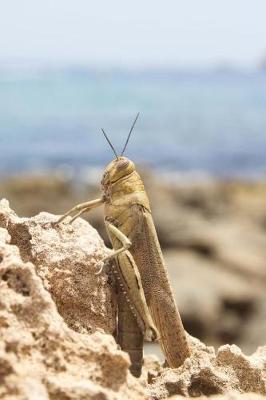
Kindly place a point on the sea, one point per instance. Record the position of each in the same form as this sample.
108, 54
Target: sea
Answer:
192, 122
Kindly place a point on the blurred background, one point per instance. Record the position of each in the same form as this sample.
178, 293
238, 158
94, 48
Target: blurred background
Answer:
196, 71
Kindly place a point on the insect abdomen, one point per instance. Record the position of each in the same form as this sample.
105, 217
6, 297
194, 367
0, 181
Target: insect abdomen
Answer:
148, 257
129, 336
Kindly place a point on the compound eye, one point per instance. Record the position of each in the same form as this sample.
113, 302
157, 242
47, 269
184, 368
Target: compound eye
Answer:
122, 164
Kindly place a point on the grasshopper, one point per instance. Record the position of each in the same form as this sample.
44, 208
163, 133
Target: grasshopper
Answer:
146, 305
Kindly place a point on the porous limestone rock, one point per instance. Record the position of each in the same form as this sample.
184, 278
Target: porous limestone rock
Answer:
66, 257
227, 396
207, 373
48, 286
41, 358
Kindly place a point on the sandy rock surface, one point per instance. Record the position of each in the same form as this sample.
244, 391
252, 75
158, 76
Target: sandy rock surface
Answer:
53, 310
65, 257
228, 396
209, 373
40, 356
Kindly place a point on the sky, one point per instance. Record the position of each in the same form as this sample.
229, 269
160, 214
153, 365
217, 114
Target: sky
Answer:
139, 33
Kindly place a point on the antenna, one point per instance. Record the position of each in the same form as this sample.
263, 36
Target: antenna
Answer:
112, 147
128, 137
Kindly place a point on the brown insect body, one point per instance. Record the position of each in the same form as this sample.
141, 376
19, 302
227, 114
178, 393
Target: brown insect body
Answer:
127, 207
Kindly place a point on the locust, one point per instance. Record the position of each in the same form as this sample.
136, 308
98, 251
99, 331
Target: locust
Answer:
146, 305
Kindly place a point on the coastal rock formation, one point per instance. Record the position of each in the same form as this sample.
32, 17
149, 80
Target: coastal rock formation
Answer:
55, 316
40, 356
217, 305
66, 257
228, 396
218, 238
210, 229
208, 373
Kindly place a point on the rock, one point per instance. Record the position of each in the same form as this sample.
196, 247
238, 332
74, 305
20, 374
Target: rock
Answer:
207, 373
227, 396
65, 257
254, 331
40, 356
53, 310
214, 242
222, 221
216, 306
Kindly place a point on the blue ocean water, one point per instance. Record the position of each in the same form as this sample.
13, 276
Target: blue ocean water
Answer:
210, 121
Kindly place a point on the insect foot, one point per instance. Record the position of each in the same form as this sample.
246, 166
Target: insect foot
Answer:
151, 335
101, 264
105, 261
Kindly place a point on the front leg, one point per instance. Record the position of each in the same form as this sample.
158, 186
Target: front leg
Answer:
126, 243
82, 208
